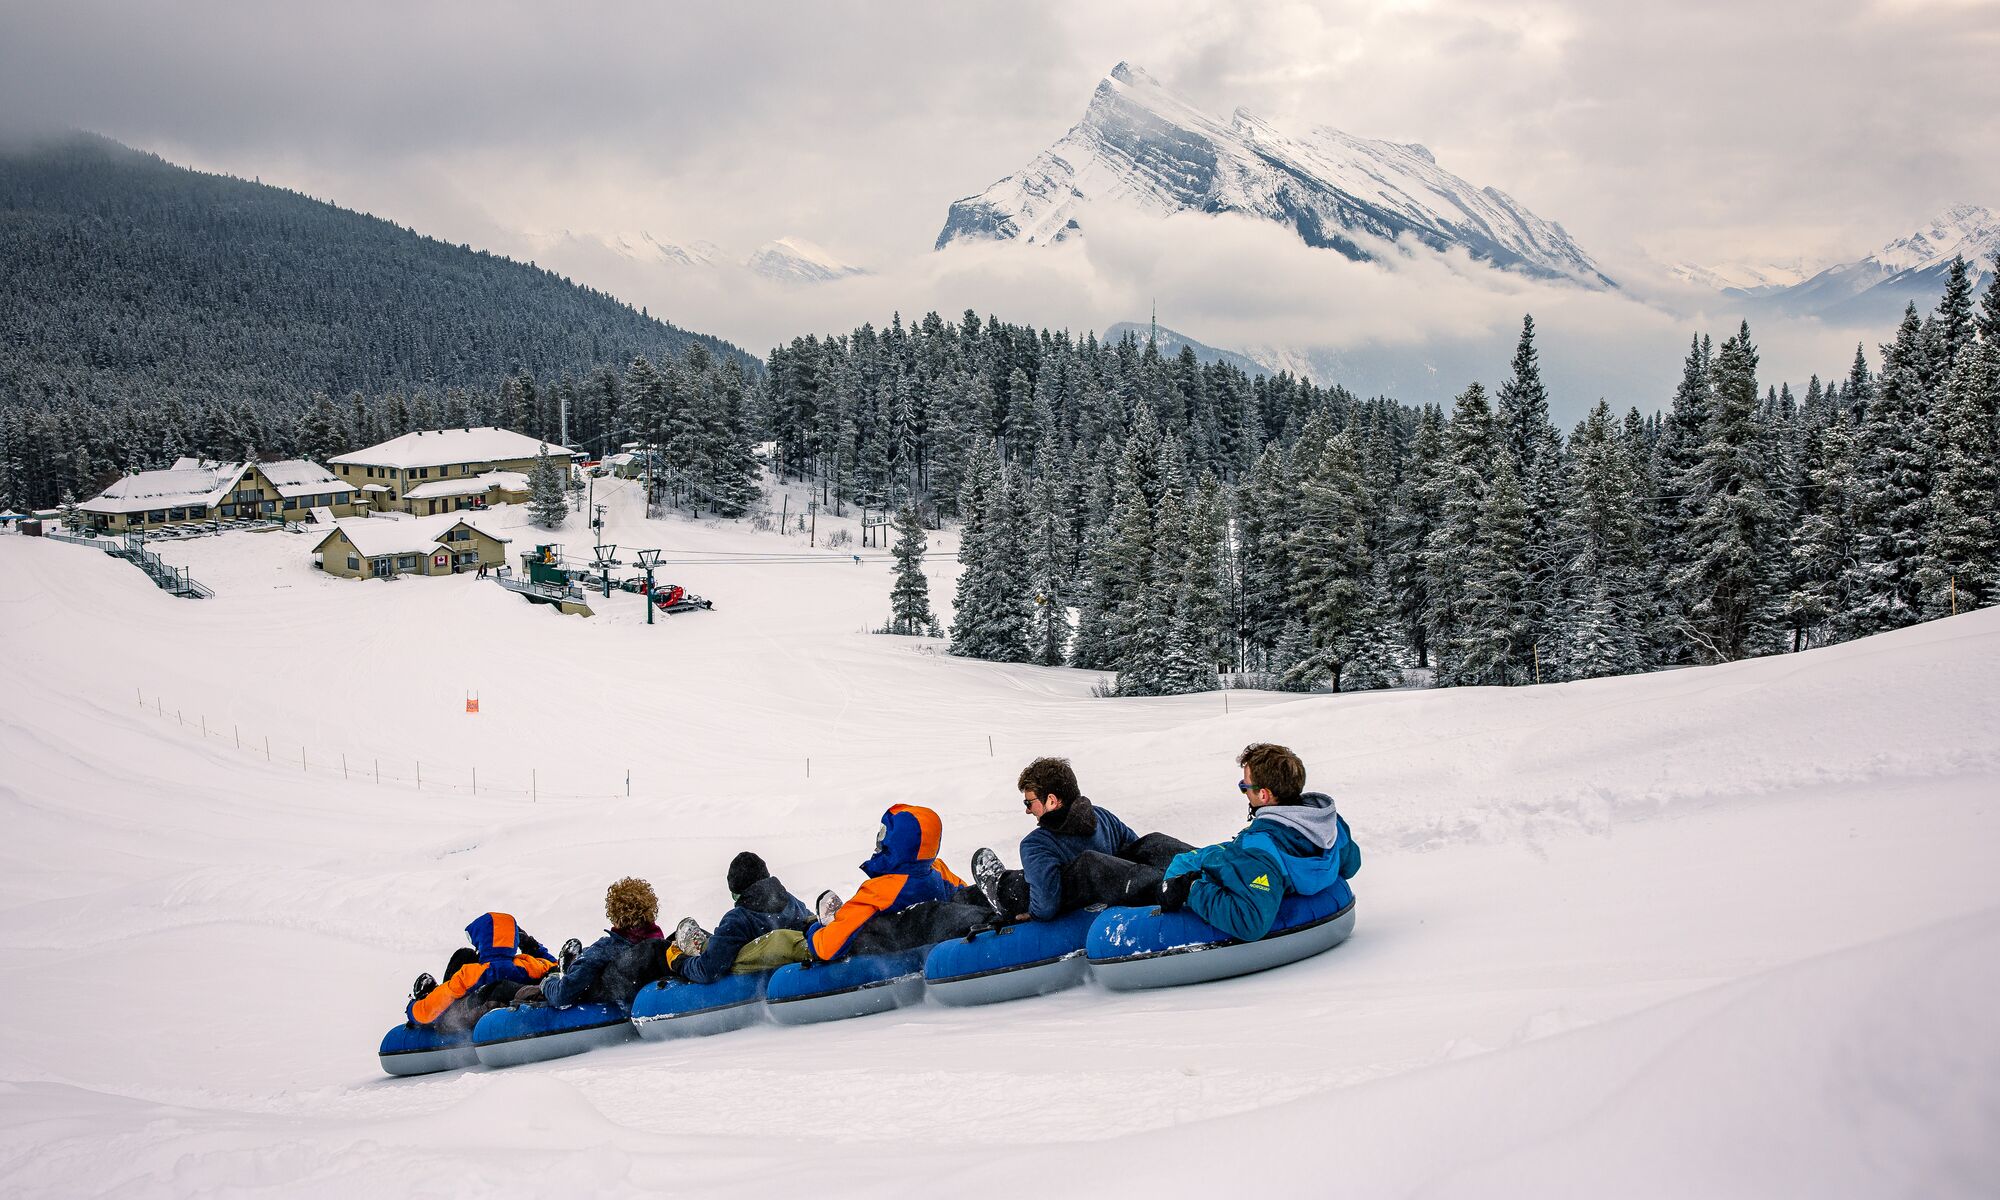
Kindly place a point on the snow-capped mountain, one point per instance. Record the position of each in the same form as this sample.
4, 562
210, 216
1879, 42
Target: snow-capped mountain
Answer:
1141, 145
634, 245
795, 260
1171, 342
1909, 269
1747, 278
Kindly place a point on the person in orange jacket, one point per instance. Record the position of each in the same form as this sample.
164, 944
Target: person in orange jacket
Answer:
503, 959
908, 900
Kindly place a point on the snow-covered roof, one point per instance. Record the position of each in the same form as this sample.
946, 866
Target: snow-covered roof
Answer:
301, 477
374, 487
374, 537
470, 485
442, 447
188, 482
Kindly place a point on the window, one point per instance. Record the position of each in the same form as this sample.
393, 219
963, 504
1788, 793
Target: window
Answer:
353, 563
198, 511
291, 503
407, 562
371, 472
270, 506
157, 515
228, 510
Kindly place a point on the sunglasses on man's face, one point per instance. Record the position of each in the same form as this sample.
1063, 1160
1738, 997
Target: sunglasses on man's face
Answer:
1245, 788
1028, 802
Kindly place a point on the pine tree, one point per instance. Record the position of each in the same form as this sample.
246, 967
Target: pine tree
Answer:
1051, 562
546, 505
1374, 658
1537, 451
1824, 548
991, 612
1494, 642
72, 517
910, 598
1329, 553
1601, 556
1734, 535
1961, 562
1462, 484
1895, 483
1415, 516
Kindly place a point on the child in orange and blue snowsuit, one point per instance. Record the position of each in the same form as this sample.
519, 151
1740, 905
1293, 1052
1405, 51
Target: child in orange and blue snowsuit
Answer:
908, 899
503, 959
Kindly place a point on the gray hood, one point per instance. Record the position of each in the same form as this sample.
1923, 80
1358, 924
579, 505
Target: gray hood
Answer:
1313, 816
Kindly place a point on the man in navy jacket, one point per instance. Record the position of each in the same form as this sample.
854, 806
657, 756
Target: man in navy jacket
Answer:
762, 905
1077, 855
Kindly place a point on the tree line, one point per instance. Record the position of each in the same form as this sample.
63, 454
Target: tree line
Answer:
1177, 523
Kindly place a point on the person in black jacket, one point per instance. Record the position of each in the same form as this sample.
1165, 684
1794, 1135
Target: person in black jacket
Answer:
762, 905
1077, 855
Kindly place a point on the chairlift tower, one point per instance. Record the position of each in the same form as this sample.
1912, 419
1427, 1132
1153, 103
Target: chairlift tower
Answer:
649, 559
607, 558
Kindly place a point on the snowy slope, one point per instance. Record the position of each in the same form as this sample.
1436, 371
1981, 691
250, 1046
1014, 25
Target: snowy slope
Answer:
1717, 931
1142, 146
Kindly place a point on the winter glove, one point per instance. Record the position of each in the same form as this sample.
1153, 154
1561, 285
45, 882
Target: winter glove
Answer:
1174, 892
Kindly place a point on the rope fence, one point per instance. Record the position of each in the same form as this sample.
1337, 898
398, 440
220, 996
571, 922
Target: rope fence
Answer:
441, 778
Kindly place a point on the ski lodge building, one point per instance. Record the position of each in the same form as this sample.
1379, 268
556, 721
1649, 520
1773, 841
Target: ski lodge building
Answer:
435, 471
196, 490
376, 548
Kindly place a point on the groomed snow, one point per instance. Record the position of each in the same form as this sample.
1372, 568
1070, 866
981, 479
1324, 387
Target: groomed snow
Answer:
1725, 931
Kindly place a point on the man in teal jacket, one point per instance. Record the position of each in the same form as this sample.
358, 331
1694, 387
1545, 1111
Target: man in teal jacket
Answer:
1295, 844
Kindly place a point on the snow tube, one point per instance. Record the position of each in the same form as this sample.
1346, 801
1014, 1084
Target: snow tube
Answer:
1011, 962
670, 1009
1145, 948
420, 1050
526, 1033
803, 993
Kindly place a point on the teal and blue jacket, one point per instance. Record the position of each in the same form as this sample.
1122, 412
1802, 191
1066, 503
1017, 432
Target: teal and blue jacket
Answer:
1286, 849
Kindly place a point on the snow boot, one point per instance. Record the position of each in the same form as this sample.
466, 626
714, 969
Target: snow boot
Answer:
986, 872
424, 986
566, 957
690, 937
827, 905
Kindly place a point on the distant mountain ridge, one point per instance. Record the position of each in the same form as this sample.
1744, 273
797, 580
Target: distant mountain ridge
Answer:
138, 279
1876, 288
1141, 145
1170, 344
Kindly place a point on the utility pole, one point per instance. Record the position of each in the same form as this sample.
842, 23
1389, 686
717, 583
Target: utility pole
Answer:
563, 405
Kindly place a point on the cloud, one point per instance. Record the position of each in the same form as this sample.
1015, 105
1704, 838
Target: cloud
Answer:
1705, 131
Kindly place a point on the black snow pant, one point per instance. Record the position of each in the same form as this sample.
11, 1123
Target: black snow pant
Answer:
919, 925
1133, 876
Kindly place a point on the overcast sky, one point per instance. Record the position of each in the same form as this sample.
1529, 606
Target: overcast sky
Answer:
1706, 132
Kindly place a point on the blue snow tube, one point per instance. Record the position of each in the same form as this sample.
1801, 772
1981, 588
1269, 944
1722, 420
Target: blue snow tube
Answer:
410, 1049
1012, 962
803, 993
1133, 948
672, 1008
526, 1033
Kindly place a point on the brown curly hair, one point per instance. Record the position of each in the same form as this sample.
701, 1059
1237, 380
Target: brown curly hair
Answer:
1275, 767
630, 902
1049, 777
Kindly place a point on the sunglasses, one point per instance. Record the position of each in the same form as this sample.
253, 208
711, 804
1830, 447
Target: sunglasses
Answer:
1028, 803
1247, 788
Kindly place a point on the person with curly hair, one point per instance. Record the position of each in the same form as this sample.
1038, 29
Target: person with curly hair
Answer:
631, 954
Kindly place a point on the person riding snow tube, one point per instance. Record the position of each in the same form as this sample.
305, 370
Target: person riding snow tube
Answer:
502, 959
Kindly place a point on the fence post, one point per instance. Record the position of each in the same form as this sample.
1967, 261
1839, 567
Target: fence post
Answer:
420, 776
475, 781
534, 782
267, 747
628, 783
989, 745
378, 772
238, 729
809, 767
343, 764
159, 707
204, 726
142, 696
302, 758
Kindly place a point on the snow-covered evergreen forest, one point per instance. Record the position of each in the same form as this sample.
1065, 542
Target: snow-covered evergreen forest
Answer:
1176, 522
